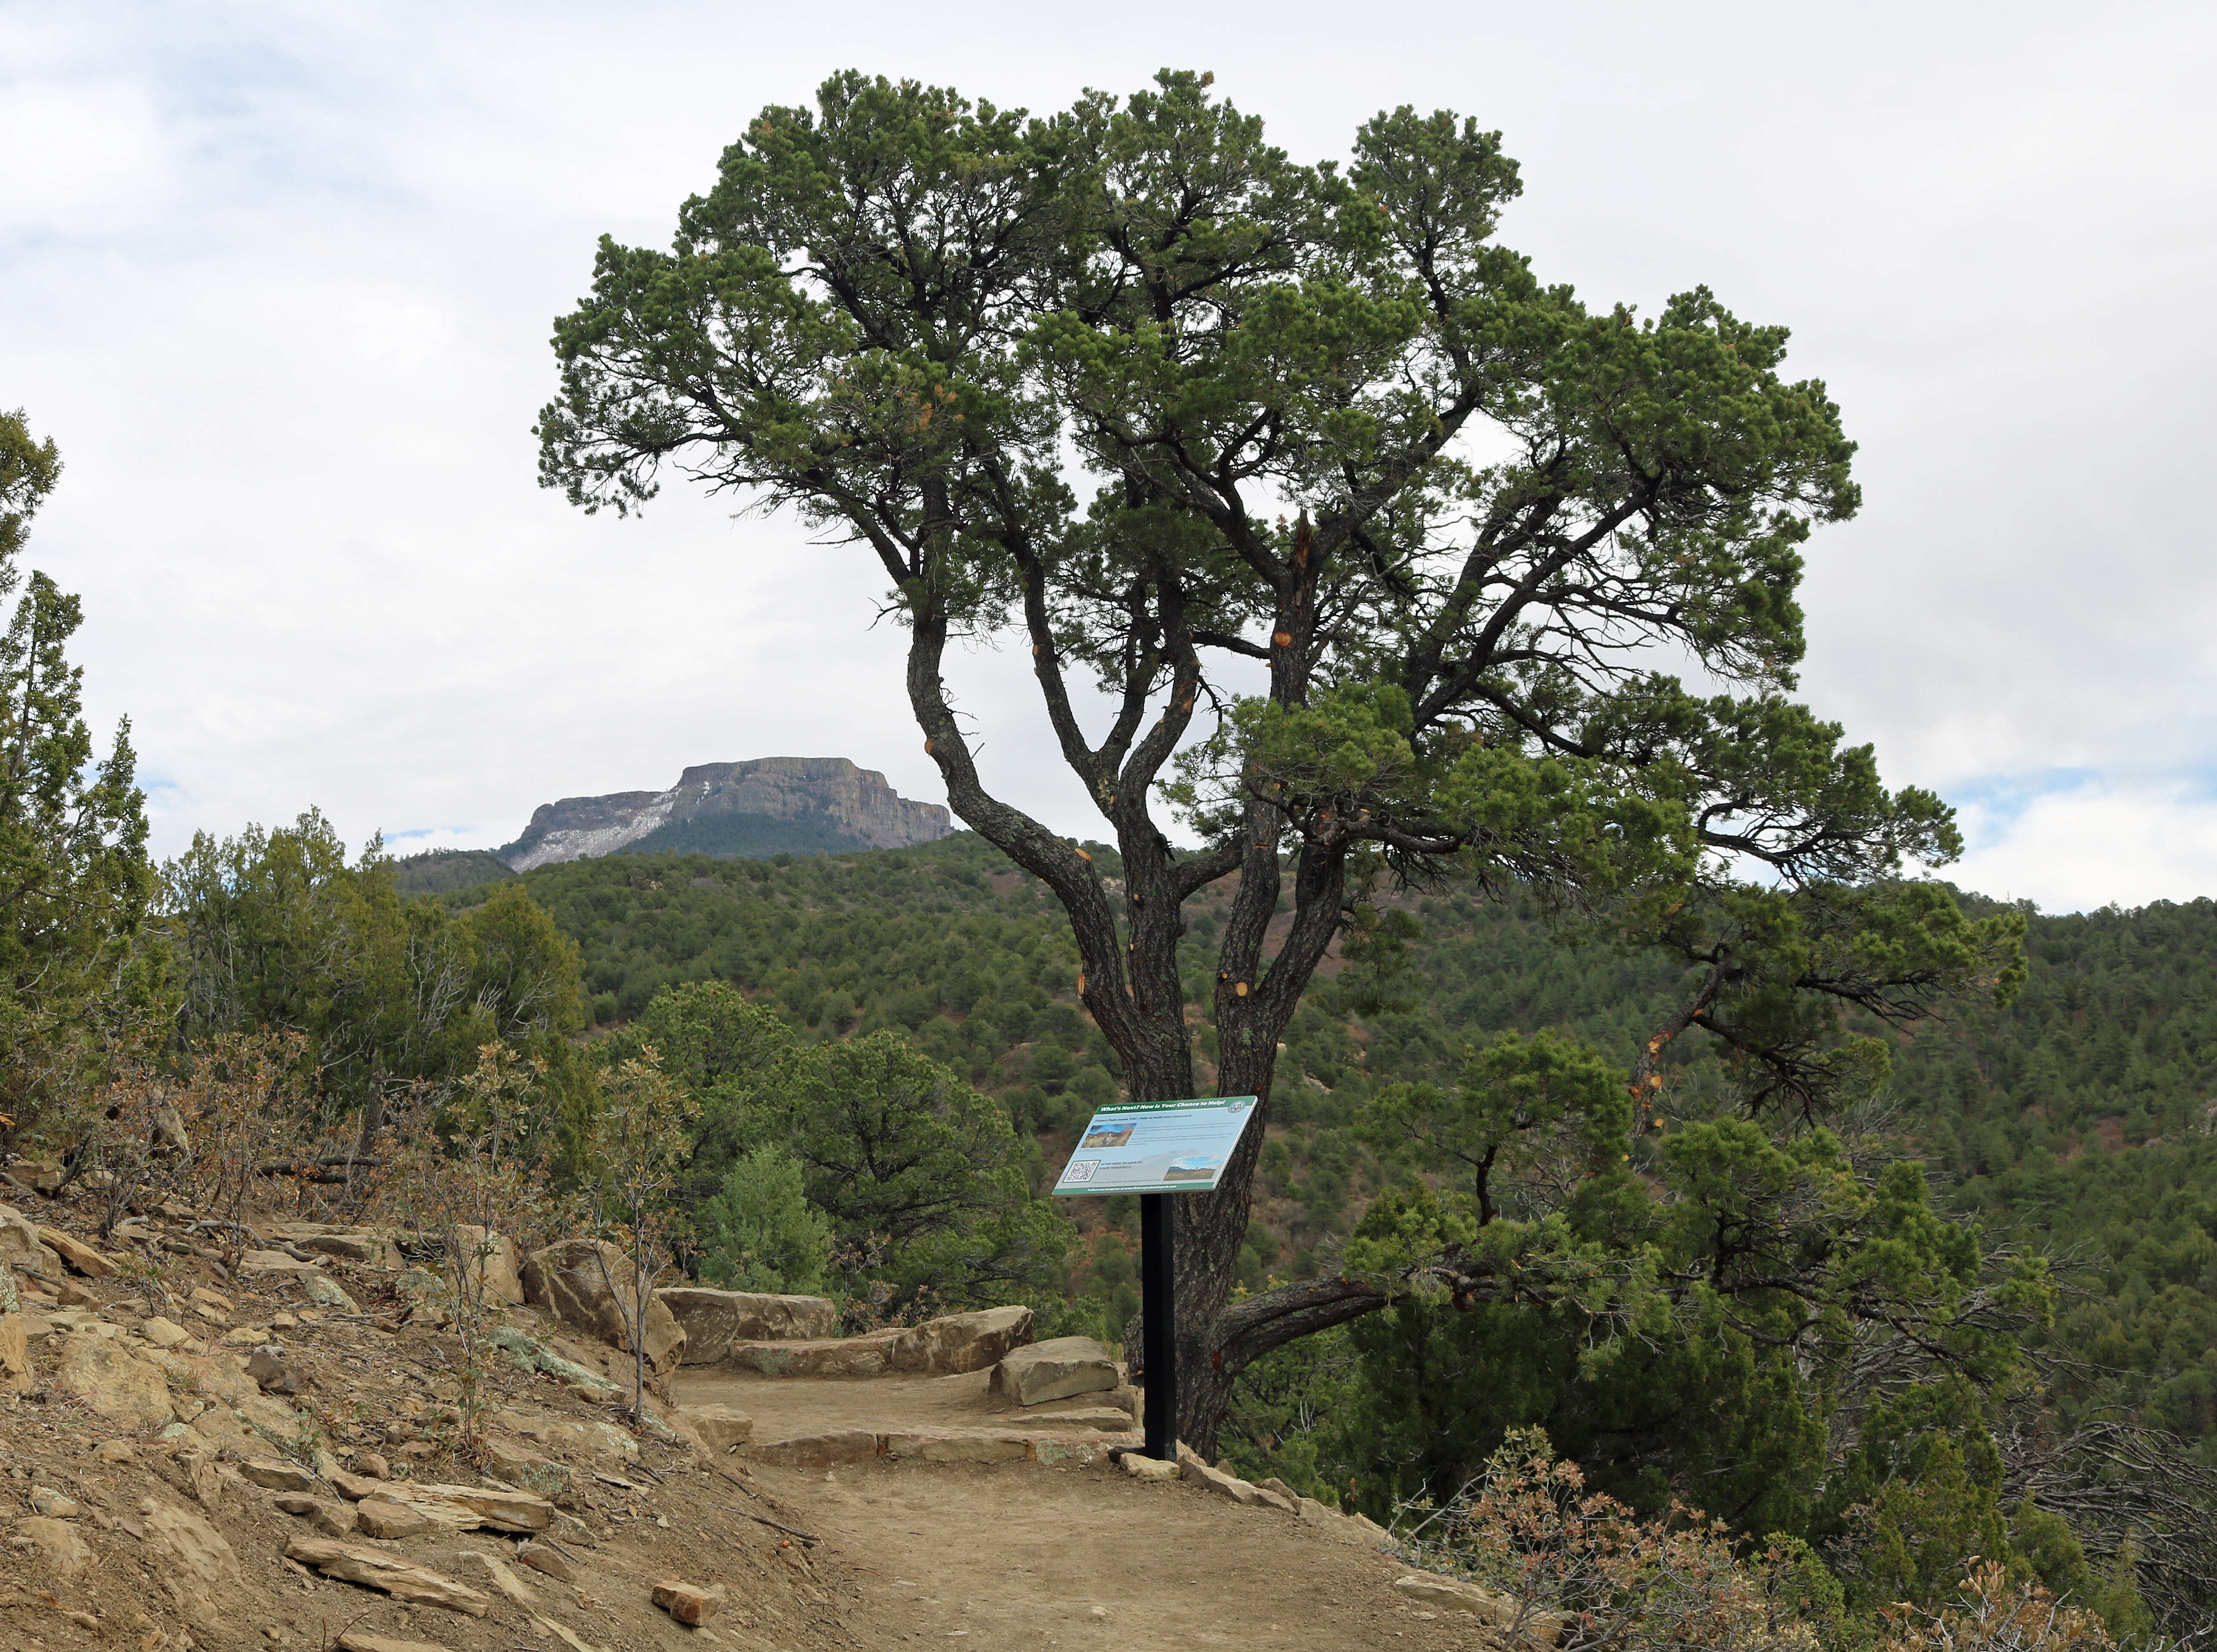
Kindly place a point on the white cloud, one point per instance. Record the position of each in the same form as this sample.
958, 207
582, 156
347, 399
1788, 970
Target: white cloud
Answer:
2093, 844
279, 278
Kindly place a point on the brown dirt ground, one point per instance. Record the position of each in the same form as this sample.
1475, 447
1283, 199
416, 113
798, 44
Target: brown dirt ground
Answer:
1010, 1555
1019, 1554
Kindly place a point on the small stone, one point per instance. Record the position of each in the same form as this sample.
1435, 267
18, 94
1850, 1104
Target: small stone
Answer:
332, 1520
45, 1500
687, 1603
278, 1477
546, 1557
164, 1332
375, 1467
354, 1487
721, 1427
294, 1503
268, 1366
202, 1297
1142, 1467
113, 1450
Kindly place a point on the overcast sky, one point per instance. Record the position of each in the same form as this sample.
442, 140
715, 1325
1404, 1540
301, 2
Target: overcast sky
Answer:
279, 278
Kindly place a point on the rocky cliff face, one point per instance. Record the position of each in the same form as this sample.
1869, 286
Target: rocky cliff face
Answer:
807, 803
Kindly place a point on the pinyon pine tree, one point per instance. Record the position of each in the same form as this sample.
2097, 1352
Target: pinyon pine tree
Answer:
1388, 559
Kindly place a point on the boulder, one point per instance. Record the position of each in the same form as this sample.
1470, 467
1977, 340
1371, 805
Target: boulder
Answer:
1141, 1467
588, 1286
375, 1570
721, 1427
20, 1244
688, 1603
106, 1377
714, 1320
1055, 1369
961, 1342
54, 1545
588, 1439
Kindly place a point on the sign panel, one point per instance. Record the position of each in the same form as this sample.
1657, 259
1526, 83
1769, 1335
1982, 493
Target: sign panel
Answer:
1157, 1146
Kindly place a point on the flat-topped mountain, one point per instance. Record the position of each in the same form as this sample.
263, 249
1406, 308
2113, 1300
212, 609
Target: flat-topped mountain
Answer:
765, 807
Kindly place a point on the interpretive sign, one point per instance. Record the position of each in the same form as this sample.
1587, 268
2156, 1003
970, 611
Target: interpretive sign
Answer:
1157, 1146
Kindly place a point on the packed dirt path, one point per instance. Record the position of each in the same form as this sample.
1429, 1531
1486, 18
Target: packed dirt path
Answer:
1075, 1553
1025, 1555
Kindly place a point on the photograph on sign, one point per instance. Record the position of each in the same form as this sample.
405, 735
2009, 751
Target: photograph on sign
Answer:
1157, 1146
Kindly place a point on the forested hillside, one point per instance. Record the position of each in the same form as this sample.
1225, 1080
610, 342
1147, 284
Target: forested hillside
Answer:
2077, 1118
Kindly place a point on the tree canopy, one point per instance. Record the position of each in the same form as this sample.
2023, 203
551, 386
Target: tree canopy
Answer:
76, 985
1387, 557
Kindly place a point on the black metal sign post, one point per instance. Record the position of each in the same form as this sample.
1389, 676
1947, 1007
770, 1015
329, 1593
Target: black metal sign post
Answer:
1158, 1324
1156, 1149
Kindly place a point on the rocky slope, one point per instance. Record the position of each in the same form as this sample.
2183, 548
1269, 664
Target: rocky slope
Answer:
209, 1451
796, 805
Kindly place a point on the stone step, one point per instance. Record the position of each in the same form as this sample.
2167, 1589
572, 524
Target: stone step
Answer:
847, 1445
948, 1346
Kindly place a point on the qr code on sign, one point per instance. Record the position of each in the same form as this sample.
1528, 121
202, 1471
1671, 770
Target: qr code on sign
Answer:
1081, 1170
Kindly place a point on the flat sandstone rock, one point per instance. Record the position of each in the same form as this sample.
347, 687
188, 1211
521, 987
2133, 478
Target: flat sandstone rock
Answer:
1055, 1369
716, 1319
372, 1570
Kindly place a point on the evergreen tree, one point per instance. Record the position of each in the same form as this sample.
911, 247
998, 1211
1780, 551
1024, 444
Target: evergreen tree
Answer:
1342, 444
76, 984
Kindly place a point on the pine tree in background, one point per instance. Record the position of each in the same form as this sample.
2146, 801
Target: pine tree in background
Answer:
77, 987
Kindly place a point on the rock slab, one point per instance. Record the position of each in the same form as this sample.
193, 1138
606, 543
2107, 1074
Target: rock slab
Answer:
588, 1285
1055, 1369
956, 1343
368, 1566
716, 1319
721, 1427
105, 1376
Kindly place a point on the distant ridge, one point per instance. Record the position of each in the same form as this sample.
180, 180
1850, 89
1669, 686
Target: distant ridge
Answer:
769, 806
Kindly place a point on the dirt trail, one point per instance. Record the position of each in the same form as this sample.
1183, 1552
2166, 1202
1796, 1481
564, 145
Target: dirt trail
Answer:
1024, 1555
1076, 1554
